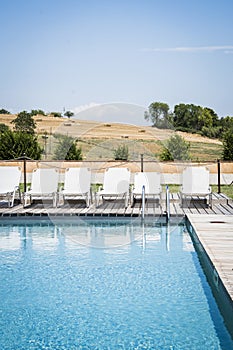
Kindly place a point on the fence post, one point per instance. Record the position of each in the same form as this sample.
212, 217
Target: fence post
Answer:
141, 163
219, 174
24, 159
25, 174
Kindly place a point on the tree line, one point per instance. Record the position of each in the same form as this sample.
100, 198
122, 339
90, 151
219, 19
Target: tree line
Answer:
23, 141
33, 112
193, 119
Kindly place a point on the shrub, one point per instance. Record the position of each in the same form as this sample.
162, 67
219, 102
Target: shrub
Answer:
228, 145
16, 144
121, 153
67, 149
176, 149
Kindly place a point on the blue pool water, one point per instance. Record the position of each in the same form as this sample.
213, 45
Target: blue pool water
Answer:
104, 285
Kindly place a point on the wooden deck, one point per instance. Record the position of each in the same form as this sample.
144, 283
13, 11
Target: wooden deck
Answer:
221, 206
215, 233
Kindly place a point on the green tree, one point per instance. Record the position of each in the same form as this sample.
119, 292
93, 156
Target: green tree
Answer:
192, 118
24, 123
212, 132
15, 144
226, 123
4, 111
186, 117
121, 153
56, 114
158, 114
176, 148
228, 145
37, 112
68, 114
67, 149
207, 118
3, 128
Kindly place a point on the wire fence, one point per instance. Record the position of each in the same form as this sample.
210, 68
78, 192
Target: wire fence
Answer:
221, 173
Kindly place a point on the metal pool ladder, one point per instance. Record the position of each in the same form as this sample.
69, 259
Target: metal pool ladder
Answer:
143, 202
167, 203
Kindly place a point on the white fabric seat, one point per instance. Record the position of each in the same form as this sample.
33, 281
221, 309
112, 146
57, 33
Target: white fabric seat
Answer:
195, 183
116, 185
152, 183
43, 186
77, 184
9, 183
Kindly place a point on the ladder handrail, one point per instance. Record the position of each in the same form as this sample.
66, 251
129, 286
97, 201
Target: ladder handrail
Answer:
143, 202
167, 203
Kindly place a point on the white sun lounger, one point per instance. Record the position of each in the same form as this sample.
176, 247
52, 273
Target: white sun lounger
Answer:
43, 186
9, 183
152, 183
116, 185
77, 184
195, 183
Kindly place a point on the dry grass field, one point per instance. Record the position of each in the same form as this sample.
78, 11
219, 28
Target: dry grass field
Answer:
98, 140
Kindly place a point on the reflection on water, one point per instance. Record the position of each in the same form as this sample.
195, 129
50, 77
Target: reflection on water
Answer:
97, 234
9, 238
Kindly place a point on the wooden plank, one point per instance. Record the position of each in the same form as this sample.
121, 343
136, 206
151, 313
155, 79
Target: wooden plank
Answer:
215, 233
116, 207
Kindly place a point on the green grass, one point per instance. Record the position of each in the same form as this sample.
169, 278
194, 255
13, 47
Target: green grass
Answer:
201, 151
225, 189
103, 149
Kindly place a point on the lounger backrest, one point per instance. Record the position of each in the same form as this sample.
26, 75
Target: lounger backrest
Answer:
195, 180
116, 180
151, 181
77, 180
9, 178
44, 181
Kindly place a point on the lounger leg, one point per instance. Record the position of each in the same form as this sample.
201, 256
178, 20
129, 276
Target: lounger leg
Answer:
25, 200
126, 200
210, 200
54, 200
88, 200
181, 200
133, 200
20, 196
13, 196
8, 196
13, 199
60, 199
96, 199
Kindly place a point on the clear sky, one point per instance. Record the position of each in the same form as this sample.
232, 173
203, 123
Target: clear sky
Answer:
72, 54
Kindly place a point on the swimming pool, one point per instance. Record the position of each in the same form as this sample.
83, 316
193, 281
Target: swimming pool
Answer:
113, 284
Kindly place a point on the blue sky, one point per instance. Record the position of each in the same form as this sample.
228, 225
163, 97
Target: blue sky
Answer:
73, 54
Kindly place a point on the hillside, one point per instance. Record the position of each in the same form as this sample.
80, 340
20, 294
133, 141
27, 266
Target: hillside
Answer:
98, 140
